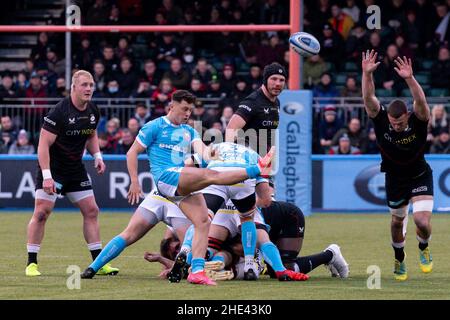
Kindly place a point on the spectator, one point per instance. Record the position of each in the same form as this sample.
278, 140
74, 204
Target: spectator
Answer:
439, 121
228, 79
161, 97
340, 21
123, 49
177, 75
313, 68
22, 82
356, 43
84, 57
414, 30
227, 113
22, 144
39, 52
172, 12
386, 77
251, 43
196, 88
133, 126
151, 74
440, 72
372, 145
109, 60
168, 49
272, 12
113, 90
215, 89
351, 88
97, 14
249, 10
100, 79
114, 133
328, 127
375, 44
29, 67
8, 131
214, 133
403, 47
271, 52
241, 90
144, 90
105, 148
344, 147
188, 59
199, 114
254, 78
8, 89
442, 144
127, 78
114, 16
355, 133
36, 88
142, 114
203, 71
325, 89
61, 91
125, 142
331, 46
352, 10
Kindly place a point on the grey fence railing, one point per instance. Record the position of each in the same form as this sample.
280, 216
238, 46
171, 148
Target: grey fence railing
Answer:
28, 112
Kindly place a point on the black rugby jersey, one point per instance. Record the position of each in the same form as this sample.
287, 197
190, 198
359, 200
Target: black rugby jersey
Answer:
72, 127
263, 116
402, 153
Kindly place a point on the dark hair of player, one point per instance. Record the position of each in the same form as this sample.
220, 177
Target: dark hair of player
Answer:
397, 108
180, 95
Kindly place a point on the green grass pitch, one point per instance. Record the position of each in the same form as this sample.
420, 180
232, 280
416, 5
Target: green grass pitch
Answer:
364, 240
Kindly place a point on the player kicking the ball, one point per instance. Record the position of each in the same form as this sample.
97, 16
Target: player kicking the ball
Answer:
167, 141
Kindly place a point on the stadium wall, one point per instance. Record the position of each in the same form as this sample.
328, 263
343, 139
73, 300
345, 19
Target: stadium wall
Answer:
339, 183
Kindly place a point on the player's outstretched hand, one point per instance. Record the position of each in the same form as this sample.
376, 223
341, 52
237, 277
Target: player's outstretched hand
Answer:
369, 63
404, 67
100, 166
152, 256
49, 186
135, 193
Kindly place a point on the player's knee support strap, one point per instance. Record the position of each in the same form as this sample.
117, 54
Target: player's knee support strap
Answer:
288, 256
423, 205
400, 212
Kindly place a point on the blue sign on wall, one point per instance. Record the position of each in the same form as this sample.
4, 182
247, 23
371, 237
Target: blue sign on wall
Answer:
293, 176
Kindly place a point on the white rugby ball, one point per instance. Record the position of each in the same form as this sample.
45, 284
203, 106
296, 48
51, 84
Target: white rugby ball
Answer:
304, 44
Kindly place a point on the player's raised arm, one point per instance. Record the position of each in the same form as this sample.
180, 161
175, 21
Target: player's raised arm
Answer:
135, 192
369, 65
404, 70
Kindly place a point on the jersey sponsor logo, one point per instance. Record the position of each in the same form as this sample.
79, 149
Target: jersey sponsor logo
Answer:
266, 110
164, 134
86, 183
173, 147
419, 189
83, 132
402, 141
270, 123
72, 120
243, 106
53, 123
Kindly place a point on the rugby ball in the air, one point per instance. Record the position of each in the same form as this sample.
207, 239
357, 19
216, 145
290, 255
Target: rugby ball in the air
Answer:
304, 44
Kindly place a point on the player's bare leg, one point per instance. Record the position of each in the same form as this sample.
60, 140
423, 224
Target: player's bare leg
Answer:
35, 233
398, 233
422, 206
194, 207
91, 231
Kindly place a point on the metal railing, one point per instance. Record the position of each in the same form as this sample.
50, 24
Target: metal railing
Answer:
28, 113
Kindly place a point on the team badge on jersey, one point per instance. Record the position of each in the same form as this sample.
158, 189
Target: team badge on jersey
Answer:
92, 119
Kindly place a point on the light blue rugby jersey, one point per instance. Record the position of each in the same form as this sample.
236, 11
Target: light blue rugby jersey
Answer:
167, 144
233, 155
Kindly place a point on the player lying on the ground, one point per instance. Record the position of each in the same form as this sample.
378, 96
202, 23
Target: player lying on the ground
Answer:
230, 156
168, 141
226, 244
